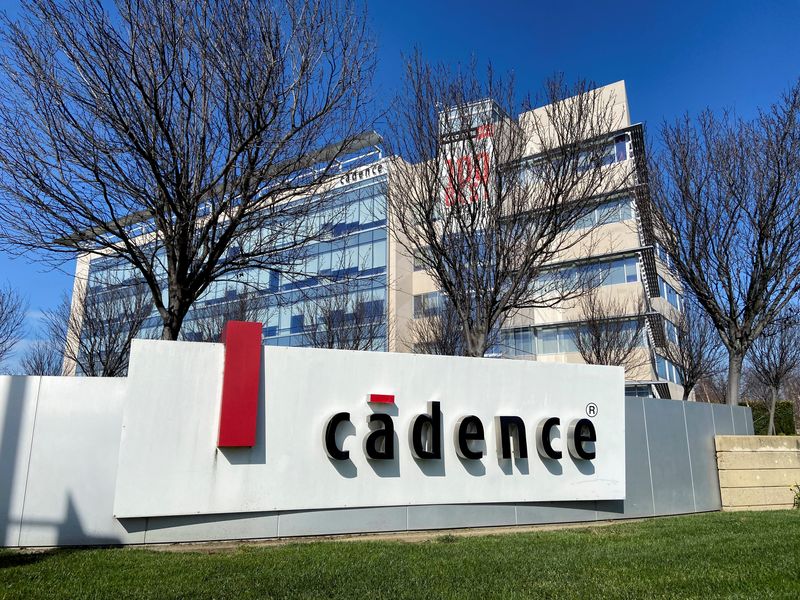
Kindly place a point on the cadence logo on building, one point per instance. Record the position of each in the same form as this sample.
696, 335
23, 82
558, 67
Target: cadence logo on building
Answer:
237, 427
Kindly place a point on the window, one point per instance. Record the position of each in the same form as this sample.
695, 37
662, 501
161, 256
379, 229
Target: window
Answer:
566, 339
631, 267
351, 259
624, 270
373, 309
274, 281
661, 252
427, 305
615, 273
630, 328
613, 151
611, 272
666, 369
639, 391
379, 253
555, 340
365, 260
671, 331
669, 293
547, 341
586, 221
418, 264
516, 342
614, 211
621, 147
625, 209
296, 324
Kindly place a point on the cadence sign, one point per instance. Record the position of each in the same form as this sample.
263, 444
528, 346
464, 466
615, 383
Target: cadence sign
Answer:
241, 428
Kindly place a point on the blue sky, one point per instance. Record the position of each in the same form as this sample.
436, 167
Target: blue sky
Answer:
674, 56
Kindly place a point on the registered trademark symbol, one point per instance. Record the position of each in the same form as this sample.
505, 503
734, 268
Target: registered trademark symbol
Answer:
591, 409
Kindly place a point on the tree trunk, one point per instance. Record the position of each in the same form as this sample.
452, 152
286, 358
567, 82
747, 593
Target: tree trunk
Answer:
178, 305
686, 392
772, 404
172, 326
705, 391
734, 376
475, 343
169, 332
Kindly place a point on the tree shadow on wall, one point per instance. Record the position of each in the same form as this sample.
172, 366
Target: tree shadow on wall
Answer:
16, 526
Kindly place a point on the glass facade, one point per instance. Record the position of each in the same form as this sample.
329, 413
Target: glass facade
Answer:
353, 251
614, 211
606, 272
608, 152
549, 339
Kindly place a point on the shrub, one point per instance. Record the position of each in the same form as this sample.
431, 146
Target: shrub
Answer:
784, 418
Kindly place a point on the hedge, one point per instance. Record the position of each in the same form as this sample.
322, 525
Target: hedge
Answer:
784, 418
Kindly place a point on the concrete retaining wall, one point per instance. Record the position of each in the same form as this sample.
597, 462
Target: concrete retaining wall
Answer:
757, 472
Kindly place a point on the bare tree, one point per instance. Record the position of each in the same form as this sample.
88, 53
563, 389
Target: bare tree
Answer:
711, 389
96, 338
42, 358
485, 201
175, 134
755, 393
727, 192
12, 320
775, 356
208, 321
694, 347
437, 330
612, 330
346, 319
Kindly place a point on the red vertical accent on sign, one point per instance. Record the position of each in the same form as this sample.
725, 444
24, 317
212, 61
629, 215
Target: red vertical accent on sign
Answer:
238, 413
382, 398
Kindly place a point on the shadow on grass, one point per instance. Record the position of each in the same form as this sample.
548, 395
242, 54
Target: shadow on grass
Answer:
16, 558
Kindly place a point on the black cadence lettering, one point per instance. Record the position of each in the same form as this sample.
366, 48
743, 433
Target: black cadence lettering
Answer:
330, 436
426, 432
464, 436
581, 432
503, 426
543, 444
379, 444
432, 422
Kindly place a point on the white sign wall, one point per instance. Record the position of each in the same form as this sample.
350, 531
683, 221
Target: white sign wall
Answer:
169, 463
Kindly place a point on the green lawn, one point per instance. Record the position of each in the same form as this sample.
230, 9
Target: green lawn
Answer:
718, 555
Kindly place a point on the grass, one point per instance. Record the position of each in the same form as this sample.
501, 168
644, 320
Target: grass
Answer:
718, 555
